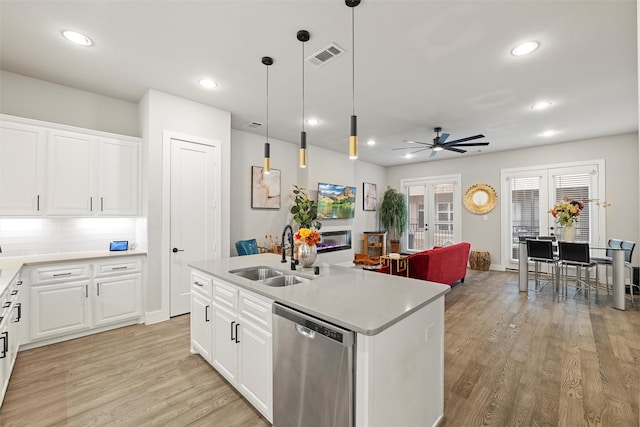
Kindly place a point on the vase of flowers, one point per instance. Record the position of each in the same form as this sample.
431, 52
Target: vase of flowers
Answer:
566, 214
306, 240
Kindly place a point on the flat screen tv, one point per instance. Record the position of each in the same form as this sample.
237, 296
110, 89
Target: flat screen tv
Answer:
336, 201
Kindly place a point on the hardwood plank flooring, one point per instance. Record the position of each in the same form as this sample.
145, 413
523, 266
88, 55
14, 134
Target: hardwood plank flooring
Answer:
510, 360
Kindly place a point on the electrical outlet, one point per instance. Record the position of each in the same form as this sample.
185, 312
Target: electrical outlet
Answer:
428, 332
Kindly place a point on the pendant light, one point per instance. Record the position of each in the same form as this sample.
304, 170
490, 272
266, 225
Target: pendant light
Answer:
267, 60
303, 36
353, 136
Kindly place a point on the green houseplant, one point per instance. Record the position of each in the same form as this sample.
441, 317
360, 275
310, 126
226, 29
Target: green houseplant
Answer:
305, 210
393, 216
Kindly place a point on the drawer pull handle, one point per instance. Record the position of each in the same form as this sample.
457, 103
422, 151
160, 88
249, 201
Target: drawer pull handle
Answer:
14, 292
119, 268
6, 304
68, 273
19, 283
198, 283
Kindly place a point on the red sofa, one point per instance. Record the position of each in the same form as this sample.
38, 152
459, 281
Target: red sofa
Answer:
446, 265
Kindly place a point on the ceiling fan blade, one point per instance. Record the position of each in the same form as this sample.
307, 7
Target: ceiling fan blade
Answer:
418, 151
404, 148
473, 144
457, 150
411, 141
443, 138
469, 138
433, 154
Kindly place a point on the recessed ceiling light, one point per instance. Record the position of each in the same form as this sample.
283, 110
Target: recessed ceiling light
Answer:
77, 38
541, 105
525, 48
548, 133
408, 156
207, 84
371, 142
313, 122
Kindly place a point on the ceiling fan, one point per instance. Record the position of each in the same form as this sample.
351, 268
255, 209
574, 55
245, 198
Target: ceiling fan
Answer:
439, 143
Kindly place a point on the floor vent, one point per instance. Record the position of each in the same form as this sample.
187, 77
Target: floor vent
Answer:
325, 55
252, 125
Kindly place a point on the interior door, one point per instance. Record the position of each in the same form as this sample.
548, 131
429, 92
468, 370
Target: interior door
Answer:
193, 215
433, 212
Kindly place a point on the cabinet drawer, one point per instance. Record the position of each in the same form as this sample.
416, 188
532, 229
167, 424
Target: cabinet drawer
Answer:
60, 272
225, 296
255, 309
203, 283
118, 266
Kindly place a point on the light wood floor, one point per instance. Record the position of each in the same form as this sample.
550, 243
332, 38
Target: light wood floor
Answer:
510, 360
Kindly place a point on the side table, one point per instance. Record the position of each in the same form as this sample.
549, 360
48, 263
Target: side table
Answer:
401, 263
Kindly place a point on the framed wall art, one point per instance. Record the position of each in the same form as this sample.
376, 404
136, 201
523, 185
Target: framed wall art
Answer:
265, 188
369, 196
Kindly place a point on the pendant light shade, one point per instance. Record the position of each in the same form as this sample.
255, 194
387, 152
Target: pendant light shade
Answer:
303, 36
267, 60
353, 135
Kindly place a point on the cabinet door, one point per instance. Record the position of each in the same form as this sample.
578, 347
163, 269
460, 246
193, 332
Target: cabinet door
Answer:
201, 326
59, 309
225, 347
118, 177
255, 371
22, 168
71, 175
117, 299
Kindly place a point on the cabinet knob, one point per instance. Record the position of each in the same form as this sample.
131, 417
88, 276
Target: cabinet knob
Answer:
174, 250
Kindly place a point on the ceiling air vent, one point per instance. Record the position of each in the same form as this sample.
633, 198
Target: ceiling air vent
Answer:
325, 55
252, 125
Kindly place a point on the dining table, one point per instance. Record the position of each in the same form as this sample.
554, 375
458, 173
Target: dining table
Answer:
617, 260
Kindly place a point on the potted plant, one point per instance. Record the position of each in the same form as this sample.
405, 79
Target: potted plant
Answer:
305, 210
393, 216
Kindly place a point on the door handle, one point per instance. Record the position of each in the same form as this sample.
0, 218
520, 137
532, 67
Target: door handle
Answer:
19, 307
5, 346
305, 331
237, 340
232, 337
206, 313
174, 250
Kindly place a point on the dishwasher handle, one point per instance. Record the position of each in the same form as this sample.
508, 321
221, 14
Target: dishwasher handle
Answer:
305, 332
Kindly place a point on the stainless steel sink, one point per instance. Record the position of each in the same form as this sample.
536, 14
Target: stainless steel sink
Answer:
269, 276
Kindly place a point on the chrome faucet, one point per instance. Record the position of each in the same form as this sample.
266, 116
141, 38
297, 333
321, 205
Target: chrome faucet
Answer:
284, 257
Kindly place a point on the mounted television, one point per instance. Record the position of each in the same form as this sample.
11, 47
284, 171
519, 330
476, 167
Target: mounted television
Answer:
336, 201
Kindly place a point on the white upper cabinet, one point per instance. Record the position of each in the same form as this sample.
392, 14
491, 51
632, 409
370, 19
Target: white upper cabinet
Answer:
118, 177
22, 169
87, 173
72, 173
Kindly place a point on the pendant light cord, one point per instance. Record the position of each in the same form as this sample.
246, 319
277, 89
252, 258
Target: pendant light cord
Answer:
302, 86
353, 64
267, 104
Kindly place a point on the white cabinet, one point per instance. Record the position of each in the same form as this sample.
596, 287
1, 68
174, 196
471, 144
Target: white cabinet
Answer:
59, 309
241, 336
49, 169
71, 173
22, 169
10, 325
68, 299
89, 175
201, 315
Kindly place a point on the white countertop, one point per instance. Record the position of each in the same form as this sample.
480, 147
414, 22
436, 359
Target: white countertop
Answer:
363, 301
9, 266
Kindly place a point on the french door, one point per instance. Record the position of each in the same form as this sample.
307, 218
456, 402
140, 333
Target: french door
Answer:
433, 212
530, 193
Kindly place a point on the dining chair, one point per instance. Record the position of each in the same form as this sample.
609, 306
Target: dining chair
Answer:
577, 255
247, 247
607, 261
628, 248
541, 252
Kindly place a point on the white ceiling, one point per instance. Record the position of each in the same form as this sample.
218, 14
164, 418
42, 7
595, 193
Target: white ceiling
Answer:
418, 64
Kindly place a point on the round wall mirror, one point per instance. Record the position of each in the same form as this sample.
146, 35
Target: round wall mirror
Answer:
480, 198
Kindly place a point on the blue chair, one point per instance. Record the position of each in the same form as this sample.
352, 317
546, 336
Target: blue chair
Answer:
247, 247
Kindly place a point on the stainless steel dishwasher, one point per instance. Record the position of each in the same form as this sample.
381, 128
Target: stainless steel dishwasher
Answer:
313, 371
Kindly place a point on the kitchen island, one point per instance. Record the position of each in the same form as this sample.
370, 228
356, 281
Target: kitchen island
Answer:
399, 322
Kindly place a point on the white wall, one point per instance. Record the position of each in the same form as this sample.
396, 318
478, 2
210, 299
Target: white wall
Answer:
621, 163
159, 112
37, 99
323, 166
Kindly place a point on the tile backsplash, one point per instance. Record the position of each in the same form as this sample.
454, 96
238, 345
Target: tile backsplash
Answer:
31, 236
